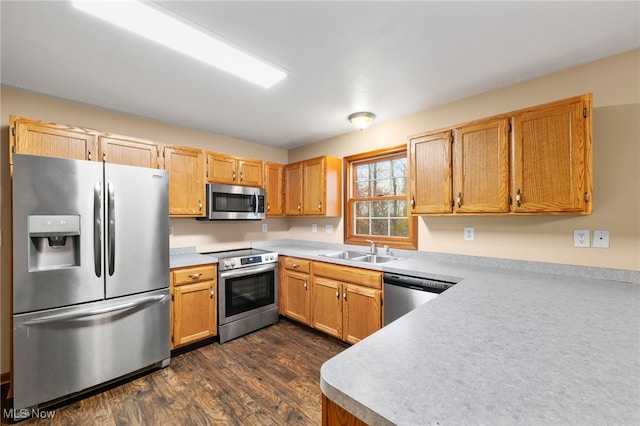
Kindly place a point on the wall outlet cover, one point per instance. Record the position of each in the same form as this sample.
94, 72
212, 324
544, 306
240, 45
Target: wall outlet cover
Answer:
601, 239
314, 228
469, 233
328, 229
581, 238
264, 227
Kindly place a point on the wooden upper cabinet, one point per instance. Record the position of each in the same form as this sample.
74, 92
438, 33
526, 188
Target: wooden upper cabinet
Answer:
52, 140
314, 187
430, 173
232, 170
186, 180
274, 186
129, 151
293, 189
481, 167
552, 158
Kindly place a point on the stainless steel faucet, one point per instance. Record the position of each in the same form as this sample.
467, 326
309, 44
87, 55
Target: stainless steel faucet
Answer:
372, 246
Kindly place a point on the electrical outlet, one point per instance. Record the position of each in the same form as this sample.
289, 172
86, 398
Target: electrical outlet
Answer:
171, 231
469, 233
264, 227
328, 229
314, 228
581, 238
601, 239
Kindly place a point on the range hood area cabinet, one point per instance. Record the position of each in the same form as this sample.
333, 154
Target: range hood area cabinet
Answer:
223, 168
186, 167
314, 187
532, 161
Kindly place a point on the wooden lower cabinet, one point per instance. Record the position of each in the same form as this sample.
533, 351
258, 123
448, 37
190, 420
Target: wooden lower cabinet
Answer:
193, 304
295, 294
344, 302
335, 415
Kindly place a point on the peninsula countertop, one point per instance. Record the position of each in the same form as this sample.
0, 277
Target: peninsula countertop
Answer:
506, 345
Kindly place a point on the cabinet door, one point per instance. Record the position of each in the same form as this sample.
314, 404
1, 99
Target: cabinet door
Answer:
186, 180
274, 185
430, 173
250, 172
362, 314
194, 314
293, 189
52, 140
313, 193
326, 313
552, 158
296, 296
221, 168
481, 167
128, 151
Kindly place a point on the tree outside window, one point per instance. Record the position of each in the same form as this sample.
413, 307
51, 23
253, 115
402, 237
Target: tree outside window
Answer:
376, 199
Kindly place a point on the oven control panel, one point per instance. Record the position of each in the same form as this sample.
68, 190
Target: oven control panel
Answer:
243, 261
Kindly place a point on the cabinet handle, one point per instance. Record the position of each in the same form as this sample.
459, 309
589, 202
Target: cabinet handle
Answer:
518, 202
268, 207
413, 202
459, 199
295, 265
320, 205
199, 205
195, 276
338, 294
241, 176
344, 296
211, 289
233, 176
305, 285
299, 207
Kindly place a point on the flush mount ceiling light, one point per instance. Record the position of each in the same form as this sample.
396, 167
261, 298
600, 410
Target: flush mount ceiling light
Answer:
144, 20
361, 120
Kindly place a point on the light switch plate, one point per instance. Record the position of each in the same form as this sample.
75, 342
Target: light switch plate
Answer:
581, 238
314, 227
328, 229
601, 239
264, 227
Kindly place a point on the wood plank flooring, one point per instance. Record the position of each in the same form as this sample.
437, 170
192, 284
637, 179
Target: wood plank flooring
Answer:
269, 377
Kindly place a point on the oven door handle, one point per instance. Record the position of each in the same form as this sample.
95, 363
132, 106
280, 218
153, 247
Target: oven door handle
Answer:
234, 273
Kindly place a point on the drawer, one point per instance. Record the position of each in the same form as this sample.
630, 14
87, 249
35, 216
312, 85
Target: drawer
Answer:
194, 274
354, 275
295, 264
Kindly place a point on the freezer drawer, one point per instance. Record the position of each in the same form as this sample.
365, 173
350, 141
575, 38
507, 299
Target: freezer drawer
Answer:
63, 351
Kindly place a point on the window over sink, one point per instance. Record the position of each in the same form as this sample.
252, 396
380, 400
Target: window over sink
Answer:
376, 199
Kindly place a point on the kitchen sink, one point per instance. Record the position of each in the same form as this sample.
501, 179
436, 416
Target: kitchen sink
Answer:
357, 256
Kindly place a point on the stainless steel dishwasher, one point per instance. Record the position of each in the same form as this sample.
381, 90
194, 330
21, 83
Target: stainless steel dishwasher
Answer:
404, 293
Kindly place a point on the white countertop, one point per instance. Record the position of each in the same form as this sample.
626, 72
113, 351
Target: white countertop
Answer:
506, 345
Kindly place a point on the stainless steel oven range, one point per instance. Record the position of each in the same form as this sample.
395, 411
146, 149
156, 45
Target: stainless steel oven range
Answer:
247, 291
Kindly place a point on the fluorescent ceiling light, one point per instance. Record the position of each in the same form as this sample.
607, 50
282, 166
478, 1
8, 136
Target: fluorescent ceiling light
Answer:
148, 22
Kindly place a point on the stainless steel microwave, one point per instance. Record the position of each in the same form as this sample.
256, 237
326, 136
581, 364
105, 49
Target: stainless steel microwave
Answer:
234, 202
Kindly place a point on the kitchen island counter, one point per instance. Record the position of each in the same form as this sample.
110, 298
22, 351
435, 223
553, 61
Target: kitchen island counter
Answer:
503, 346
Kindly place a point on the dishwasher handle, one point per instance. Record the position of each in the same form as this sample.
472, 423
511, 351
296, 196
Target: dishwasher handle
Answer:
416, 283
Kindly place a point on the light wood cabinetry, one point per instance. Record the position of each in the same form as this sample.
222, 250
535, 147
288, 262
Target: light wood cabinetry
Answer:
186, 180
35, 137
430, 177
546, 167
295, 289
334, 415
128, 151
552, 158
347, 301
193, 304
274, 187
313, 187
232, 170
481, 167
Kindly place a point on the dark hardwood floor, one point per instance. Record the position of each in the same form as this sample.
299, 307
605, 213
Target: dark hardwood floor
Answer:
269, 377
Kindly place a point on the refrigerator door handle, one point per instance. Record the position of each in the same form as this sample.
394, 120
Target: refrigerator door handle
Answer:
111, 228
93, 312
97, 228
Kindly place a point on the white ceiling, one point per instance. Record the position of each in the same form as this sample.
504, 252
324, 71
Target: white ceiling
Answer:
391, 58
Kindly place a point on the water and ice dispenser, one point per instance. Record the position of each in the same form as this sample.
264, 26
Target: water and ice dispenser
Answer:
54, 242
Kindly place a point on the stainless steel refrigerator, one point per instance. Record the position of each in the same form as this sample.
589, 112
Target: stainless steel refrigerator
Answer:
90, 276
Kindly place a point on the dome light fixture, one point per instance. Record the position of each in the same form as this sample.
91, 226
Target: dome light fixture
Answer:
361, 120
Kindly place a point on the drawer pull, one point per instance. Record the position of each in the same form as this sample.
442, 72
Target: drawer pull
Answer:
195, 276
295, 265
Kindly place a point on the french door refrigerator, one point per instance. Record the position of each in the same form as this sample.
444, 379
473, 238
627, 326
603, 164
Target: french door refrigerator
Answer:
90, 276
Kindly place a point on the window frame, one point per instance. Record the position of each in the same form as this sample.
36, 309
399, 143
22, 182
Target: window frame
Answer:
410, 242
